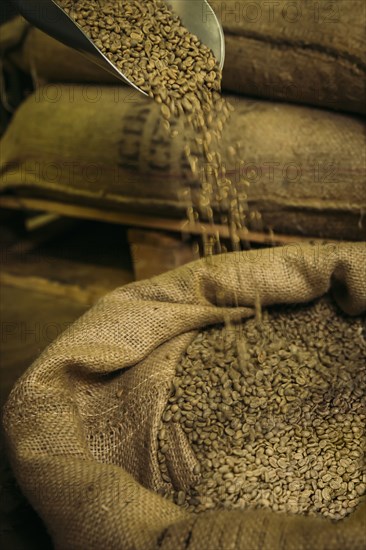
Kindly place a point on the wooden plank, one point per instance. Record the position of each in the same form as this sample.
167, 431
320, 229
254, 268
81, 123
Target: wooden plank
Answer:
154, 252
26, 266
83, 296
62, 270
145, 221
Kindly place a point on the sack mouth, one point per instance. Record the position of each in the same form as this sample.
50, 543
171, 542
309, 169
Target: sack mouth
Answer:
132, 340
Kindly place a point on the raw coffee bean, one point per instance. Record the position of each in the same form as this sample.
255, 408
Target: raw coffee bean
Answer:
280, 457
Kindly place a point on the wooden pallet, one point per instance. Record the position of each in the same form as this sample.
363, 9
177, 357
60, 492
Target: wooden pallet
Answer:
156, 244
145, 221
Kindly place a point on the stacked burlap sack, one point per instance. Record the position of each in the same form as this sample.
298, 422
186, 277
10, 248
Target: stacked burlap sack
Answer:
107, 146
306, 167
98, 144
82, 422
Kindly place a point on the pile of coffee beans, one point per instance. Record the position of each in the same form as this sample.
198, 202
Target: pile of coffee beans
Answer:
274, 413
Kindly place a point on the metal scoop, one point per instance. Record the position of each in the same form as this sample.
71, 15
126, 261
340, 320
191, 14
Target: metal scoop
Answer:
196, 15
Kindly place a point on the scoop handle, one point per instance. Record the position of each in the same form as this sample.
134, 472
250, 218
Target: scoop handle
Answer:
50, 18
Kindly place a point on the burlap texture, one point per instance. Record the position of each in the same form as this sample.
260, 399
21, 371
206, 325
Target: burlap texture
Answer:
106, 146
82, 422
302, 52
12, 33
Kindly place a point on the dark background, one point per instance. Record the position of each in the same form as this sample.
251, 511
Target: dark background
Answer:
6, 11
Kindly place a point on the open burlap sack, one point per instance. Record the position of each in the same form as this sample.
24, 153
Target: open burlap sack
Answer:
106, 146
302, 52
82, 422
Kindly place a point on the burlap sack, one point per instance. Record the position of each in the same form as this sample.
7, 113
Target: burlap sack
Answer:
45, 58
12, 34
82, 422
306, 52
107, 146
303, 52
